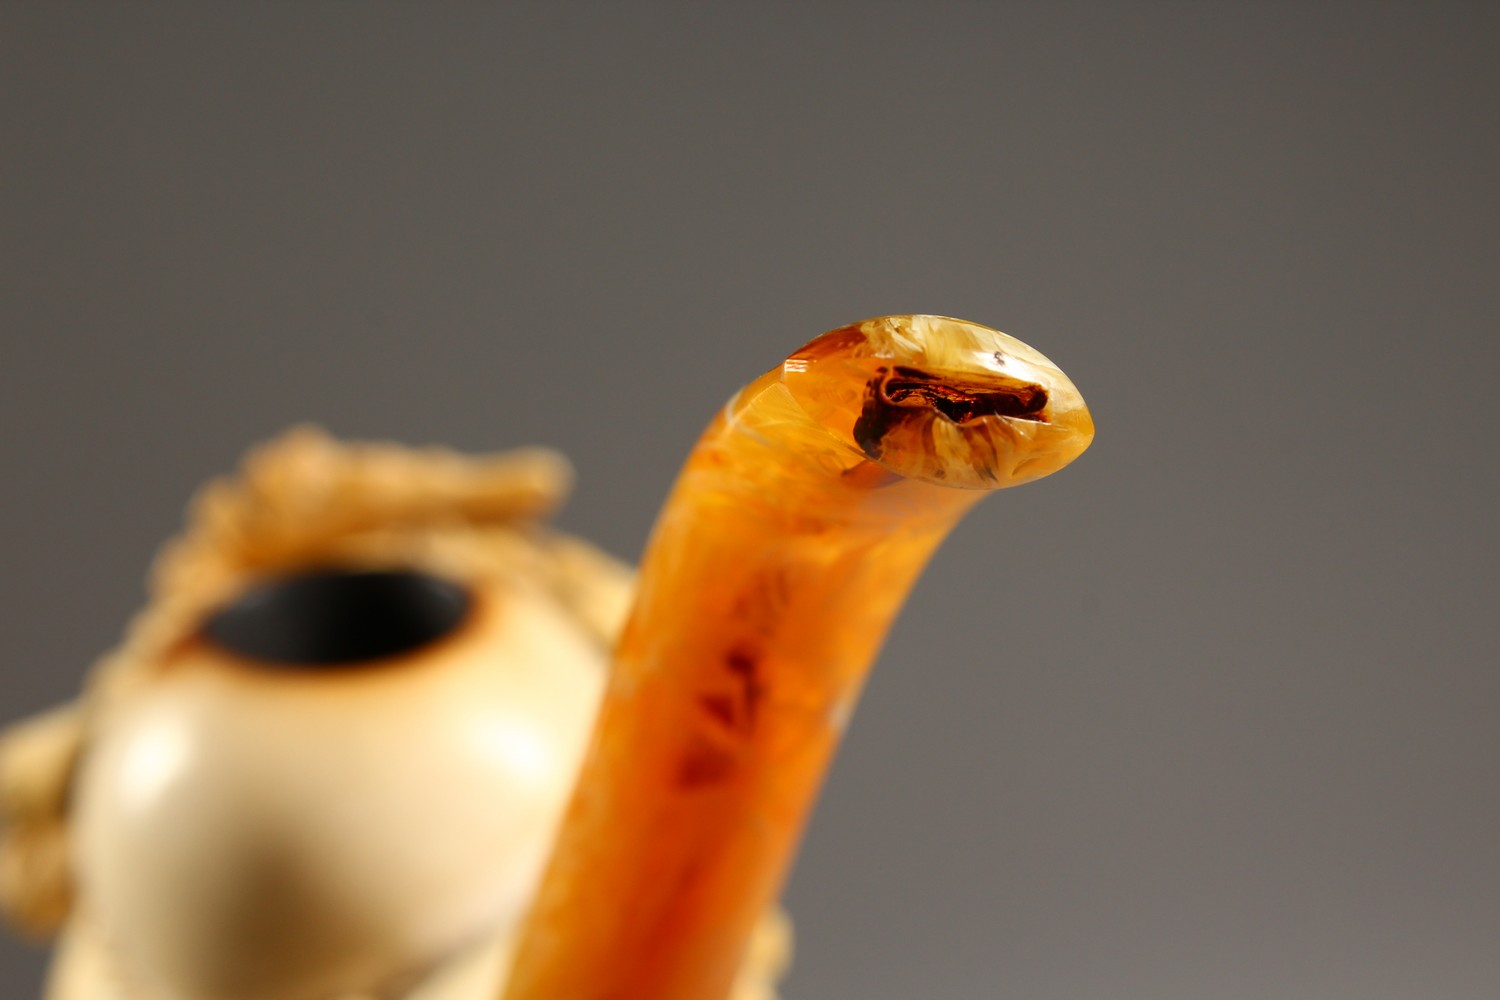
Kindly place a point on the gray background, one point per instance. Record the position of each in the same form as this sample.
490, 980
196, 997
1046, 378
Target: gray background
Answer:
1213, 715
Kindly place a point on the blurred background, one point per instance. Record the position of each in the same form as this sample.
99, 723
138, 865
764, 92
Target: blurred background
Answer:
1214, 714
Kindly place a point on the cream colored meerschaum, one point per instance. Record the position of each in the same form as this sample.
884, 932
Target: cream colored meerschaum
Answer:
219, 818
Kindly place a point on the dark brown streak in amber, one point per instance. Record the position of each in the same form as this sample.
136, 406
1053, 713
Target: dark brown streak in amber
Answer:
720, 707
732, 714
745, 666
704, 765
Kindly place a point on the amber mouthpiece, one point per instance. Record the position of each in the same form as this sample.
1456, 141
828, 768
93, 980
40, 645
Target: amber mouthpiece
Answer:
796, 529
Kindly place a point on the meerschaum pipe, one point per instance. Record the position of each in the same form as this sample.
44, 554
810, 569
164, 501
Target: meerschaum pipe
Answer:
787, 547
329, 757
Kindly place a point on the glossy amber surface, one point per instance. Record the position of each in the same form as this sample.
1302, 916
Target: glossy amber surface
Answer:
786, 549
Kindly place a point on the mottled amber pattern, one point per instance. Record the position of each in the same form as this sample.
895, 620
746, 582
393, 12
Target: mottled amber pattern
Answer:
788, 545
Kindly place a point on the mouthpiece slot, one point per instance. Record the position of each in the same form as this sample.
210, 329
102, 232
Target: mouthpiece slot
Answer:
901, 393
338, 617
961, 399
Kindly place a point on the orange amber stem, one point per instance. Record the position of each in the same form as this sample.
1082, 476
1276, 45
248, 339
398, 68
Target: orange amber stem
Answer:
786, 549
